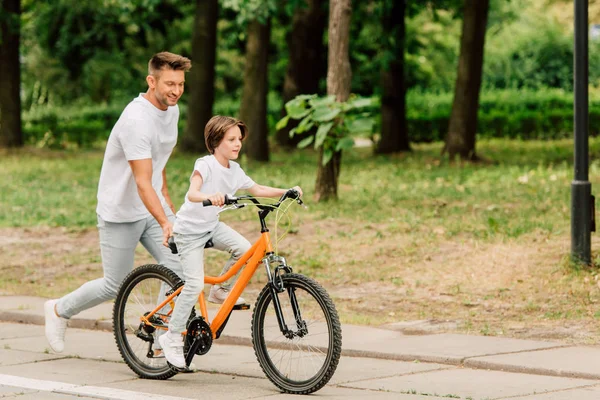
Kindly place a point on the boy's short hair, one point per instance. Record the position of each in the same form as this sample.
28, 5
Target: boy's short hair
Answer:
166, 60
215, 130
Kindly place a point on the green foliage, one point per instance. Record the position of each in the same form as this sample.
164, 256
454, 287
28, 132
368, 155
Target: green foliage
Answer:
93, 50
248, 10
525, 114
56, 128
84, 126
533, 50
336, 122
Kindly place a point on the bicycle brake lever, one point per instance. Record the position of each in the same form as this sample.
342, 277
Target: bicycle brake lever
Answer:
299, 201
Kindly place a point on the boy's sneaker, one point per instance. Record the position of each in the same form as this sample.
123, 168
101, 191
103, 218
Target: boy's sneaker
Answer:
218, 295
55, 327
172, 346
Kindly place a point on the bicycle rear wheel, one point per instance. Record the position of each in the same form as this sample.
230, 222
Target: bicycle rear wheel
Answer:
142, 290
303, 359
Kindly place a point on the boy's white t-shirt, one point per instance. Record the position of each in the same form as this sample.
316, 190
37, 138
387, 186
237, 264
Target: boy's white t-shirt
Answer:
194, 218
142, 131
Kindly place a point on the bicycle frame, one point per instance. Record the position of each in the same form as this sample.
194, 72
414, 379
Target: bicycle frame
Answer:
252, 259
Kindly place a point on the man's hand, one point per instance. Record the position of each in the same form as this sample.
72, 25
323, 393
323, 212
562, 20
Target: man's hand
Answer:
167, 228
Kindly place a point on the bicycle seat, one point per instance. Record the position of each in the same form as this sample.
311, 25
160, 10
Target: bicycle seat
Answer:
173, 246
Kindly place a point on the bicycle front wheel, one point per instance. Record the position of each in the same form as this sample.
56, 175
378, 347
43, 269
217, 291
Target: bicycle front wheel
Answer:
302, 358
142, 290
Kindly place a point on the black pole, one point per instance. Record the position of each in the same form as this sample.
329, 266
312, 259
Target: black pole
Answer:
581, 189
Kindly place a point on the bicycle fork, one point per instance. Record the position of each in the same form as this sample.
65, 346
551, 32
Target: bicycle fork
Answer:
276, 286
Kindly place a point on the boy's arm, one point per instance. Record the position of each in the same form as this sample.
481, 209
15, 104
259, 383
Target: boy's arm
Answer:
195, 195
267, 191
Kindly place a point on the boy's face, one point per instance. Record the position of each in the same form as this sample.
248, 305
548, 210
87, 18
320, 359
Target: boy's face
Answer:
167, 86
231, 144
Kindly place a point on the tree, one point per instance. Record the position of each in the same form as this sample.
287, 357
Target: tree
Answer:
253, 107
306, 65
10, 79
460, 140
339, 77
394, 131
202, 76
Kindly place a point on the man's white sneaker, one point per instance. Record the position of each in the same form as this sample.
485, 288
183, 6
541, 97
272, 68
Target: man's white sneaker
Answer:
55, 327
218, 295
172, 346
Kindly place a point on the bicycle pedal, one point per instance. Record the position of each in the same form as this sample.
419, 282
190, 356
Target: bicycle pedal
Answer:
244, 306
177, 369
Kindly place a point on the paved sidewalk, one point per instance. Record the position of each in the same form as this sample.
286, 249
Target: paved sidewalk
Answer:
463, 365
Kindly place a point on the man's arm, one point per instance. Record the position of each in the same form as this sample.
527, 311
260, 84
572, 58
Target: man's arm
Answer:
165, 191
142, 172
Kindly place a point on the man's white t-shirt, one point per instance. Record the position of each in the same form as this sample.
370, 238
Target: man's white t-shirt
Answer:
142, 131
194, 218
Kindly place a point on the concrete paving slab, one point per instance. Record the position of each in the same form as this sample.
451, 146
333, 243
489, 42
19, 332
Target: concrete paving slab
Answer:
223, 387
587, 393
30, 309
360, 341
12, 391
447, 348
202, 385
337, 393
97, 345
241, 360
45, 396
579, 362
14, 357
477, 384
86, 391
74, 371
15, 330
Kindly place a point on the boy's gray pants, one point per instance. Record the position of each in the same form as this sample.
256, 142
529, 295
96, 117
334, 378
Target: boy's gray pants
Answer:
117, 246
191, 251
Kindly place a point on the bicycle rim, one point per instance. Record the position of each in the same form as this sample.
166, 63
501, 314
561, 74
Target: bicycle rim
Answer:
140, 293
305, 362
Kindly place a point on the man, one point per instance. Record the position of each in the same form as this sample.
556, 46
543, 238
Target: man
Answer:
133, 199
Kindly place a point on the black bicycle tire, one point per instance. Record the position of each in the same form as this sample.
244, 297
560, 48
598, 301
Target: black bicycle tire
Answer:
334, 327
136, 276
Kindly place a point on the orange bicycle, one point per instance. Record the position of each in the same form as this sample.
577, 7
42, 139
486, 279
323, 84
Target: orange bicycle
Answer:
296, 332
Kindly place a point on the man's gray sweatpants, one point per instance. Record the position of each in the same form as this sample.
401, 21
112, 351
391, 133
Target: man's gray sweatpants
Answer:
117, 246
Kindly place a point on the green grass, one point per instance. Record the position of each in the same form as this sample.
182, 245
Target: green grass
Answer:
523, 187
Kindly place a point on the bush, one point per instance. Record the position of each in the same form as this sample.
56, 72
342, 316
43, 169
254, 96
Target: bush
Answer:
60, 127
544, 114
56, 127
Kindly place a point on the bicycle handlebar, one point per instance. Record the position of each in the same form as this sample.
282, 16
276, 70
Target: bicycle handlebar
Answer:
290, 194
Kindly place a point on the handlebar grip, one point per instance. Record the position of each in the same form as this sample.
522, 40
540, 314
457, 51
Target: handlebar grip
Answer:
172, 245
228, 200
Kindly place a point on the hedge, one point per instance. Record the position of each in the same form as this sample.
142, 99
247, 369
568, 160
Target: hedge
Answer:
546, 114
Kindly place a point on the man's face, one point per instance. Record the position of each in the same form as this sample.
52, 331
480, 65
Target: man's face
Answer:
167, 86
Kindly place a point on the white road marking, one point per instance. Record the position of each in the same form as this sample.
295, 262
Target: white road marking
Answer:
81, 390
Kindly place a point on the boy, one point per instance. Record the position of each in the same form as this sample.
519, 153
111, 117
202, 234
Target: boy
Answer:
213, 177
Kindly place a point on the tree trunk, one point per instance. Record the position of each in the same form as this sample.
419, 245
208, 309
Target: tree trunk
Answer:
202, 75
253, 109
306, 63
11, 134
463, 120
394, 131
339, 76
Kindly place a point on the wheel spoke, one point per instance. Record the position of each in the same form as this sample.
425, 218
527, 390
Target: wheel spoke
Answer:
306, 362
140, 293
